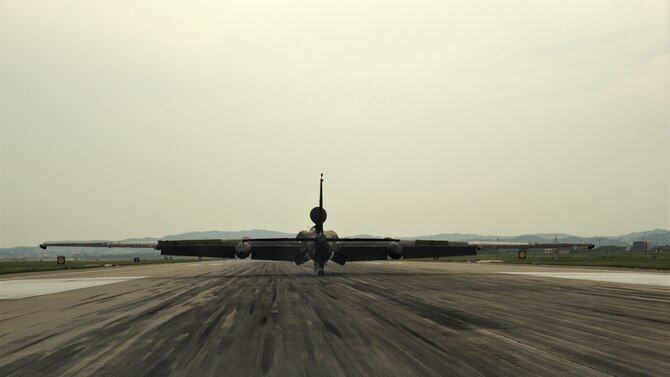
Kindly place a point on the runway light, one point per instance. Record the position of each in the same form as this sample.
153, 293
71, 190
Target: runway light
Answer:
60, 259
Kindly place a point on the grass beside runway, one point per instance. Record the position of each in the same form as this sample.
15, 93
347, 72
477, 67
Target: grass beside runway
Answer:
623, 259
11, 267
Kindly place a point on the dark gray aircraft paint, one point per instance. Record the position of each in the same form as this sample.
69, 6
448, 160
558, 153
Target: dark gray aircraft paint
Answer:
318, 245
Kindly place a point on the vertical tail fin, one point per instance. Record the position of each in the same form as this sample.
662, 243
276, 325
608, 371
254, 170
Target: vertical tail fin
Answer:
318, 214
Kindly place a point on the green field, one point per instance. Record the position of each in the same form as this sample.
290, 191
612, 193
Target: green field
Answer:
624, 259
10, 267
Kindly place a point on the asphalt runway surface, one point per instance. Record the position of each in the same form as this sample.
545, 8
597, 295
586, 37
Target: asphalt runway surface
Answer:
239, 318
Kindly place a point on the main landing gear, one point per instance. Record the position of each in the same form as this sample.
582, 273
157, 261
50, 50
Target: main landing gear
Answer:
318, 269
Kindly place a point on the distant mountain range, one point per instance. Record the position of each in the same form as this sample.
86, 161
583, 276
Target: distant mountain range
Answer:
656, 237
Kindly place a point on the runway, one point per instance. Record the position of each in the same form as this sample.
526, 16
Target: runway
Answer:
245, 318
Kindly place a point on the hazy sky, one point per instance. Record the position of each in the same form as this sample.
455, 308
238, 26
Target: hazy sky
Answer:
147, 118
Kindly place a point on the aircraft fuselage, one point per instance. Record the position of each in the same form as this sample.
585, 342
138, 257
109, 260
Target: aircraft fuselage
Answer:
319, 250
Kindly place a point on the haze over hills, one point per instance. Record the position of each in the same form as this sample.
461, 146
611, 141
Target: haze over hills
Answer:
655, 237
217, 234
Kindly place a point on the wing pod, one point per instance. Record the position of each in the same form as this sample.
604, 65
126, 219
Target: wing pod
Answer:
242, 250
394, 250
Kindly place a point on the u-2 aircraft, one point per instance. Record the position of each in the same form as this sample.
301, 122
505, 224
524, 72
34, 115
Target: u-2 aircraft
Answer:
319, 246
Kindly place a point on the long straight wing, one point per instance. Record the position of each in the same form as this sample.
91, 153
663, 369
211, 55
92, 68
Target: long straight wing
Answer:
281, 249
363, 250
345, 249
291, 249
377, 249
484, 245
110, 244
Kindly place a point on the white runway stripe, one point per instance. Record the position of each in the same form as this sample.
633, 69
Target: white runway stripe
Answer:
13, 289
662, 280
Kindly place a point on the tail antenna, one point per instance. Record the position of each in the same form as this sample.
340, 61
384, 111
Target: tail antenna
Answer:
319, 227
321, 192
321, 219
